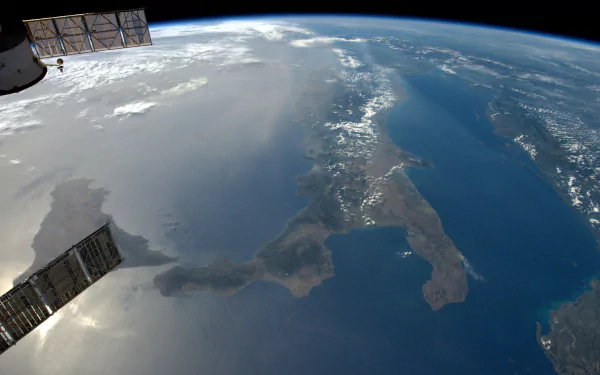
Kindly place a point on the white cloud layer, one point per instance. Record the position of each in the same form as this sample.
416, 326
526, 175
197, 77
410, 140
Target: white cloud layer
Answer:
268, 30
184, 87
447, 69
322, 41
133, 108
347, 60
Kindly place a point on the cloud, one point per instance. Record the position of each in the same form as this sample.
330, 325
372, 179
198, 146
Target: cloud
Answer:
19, 115
268, 30
470, 270
84, 73
222, 45
480, 69
542, 78
347, 60
82, 113
447, 69
322, 41
133, 109
91, 72
184, 87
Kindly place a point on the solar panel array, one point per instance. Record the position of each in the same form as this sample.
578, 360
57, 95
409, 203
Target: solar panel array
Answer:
90, 32
34, 300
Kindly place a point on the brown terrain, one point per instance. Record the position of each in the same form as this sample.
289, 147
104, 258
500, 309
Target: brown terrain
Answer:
573, 343
349, 187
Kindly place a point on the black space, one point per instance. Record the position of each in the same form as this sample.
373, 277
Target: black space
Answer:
571, 19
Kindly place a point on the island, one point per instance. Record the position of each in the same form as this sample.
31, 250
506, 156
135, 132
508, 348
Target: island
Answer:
75, 212
573, 343
357, 180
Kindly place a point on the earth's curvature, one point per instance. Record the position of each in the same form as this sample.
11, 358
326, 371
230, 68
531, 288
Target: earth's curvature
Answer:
314, 195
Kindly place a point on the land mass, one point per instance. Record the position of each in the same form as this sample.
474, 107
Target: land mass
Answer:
564, 169
573, 343
358, 180
75, 212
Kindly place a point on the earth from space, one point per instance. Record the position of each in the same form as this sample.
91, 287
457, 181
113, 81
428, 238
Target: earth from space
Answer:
314, 195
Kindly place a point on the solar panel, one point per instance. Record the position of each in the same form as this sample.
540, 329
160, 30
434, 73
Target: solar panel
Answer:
44, 35
90, 32
62, 280
34, 300
135, 28
73, 31
4, 343
22, 310
104, 31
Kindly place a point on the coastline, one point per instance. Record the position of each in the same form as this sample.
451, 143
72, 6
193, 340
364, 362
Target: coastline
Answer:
371, 189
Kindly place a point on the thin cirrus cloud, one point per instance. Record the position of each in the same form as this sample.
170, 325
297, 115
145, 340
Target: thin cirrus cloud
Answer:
141, 107
185, 87
272, 31
105, 70
322, 41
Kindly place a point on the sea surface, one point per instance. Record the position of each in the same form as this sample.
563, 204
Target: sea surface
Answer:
530, 248
531, 252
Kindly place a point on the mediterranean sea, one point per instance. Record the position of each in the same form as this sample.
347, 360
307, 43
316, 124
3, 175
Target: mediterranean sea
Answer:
527, 248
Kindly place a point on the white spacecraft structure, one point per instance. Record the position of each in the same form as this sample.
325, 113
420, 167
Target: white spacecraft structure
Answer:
32, 301
21, 51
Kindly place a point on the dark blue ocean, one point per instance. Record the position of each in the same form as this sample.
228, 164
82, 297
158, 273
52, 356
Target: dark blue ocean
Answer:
533, 251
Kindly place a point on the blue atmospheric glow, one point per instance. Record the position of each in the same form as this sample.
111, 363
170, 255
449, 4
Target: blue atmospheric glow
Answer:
433, 21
